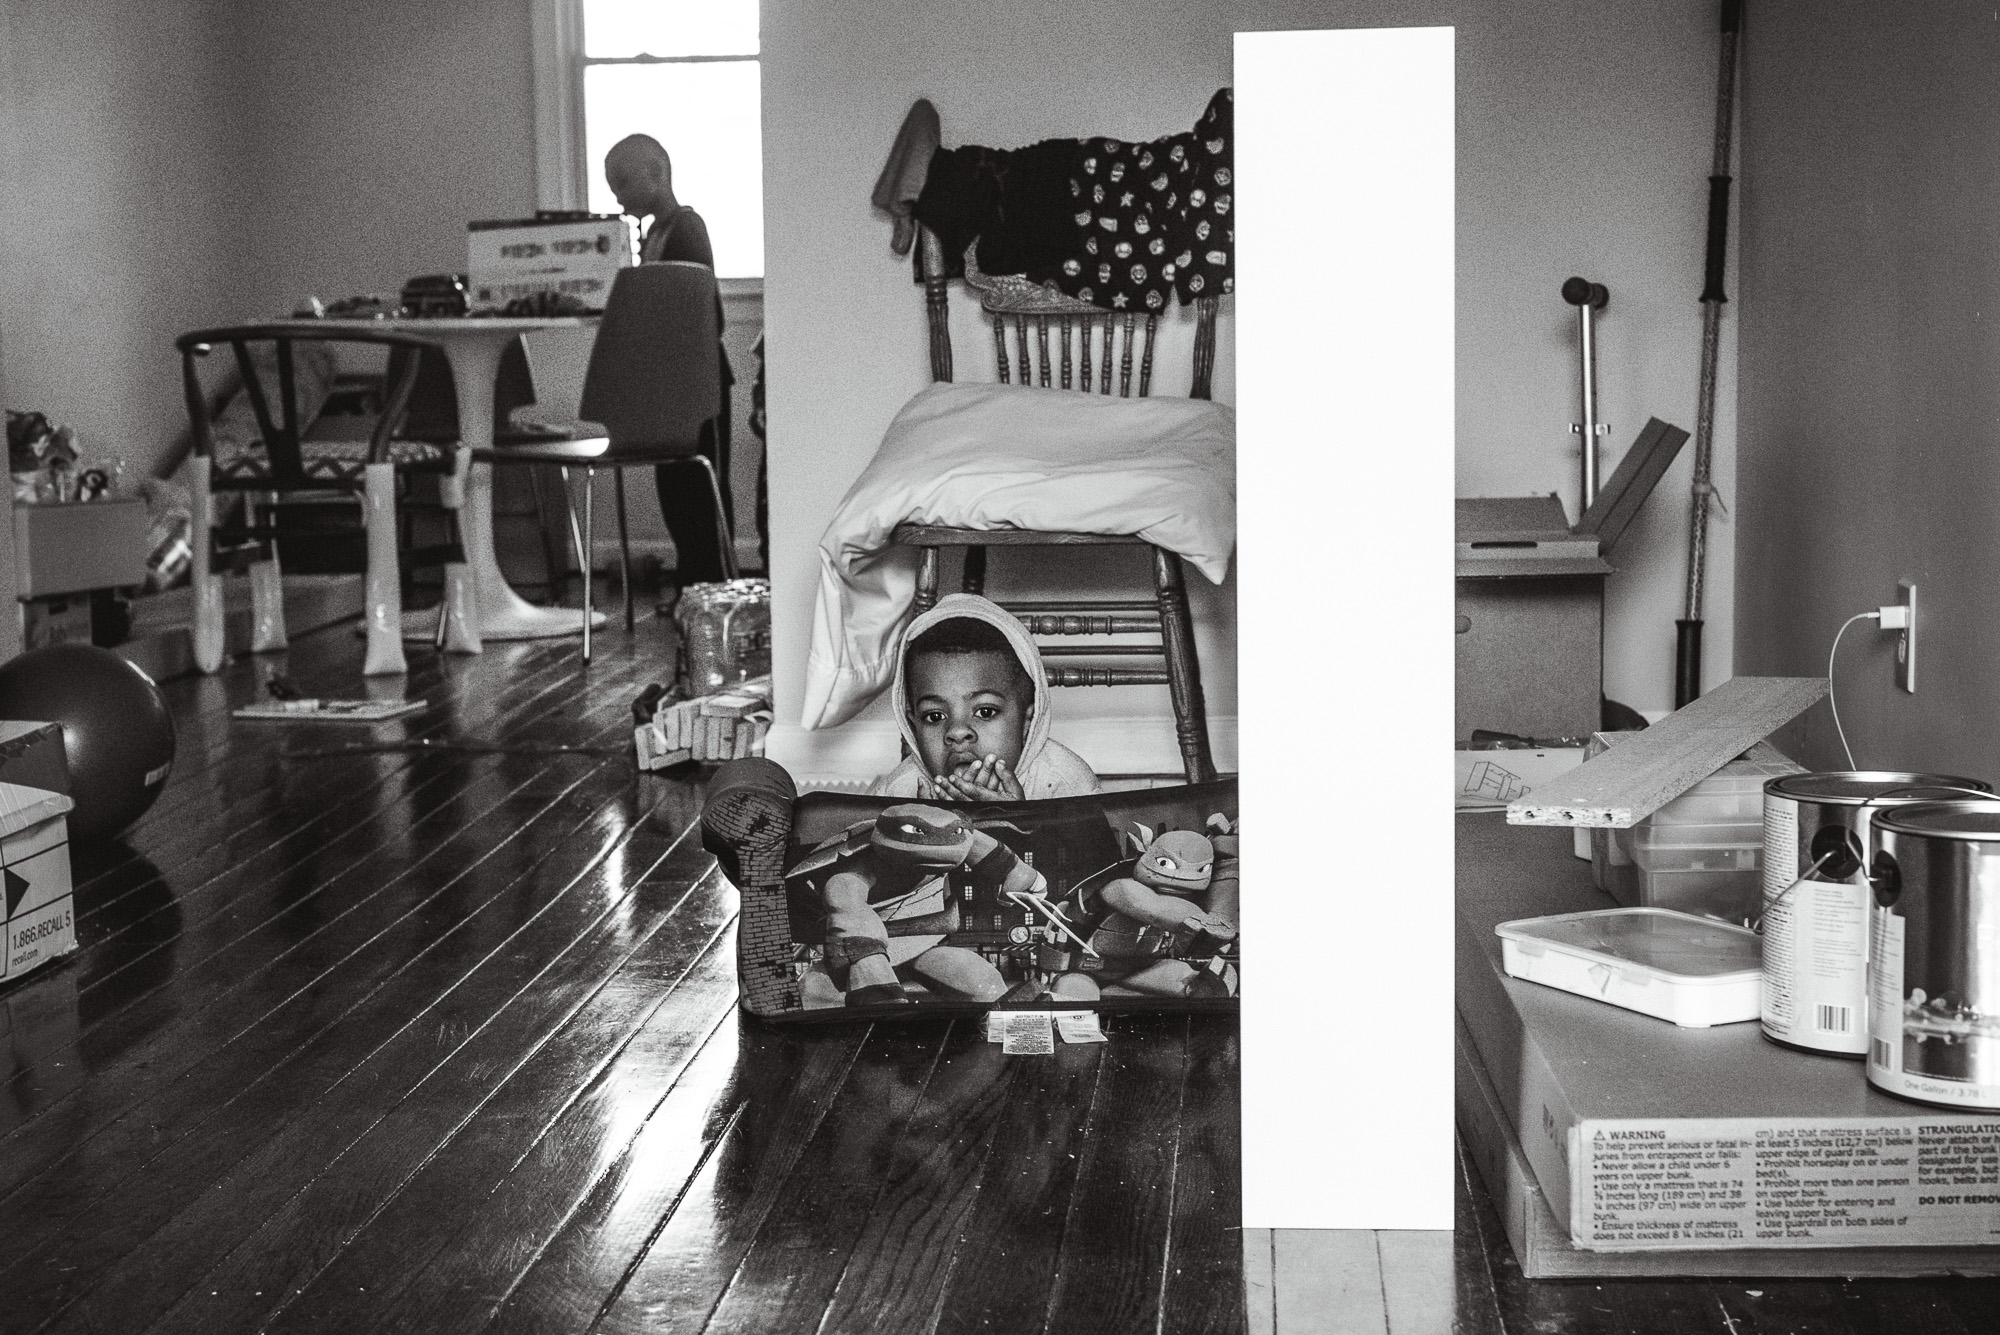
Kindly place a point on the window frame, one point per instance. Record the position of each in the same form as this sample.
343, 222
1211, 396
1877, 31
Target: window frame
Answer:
562, 169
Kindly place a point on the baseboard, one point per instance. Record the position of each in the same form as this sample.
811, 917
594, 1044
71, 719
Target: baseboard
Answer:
604, 554
858, 751
162, 646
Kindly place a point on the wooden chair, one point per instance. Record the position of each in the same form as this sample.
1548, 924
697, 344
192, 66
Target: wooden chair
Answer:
1014, 302
653, 382
278, 461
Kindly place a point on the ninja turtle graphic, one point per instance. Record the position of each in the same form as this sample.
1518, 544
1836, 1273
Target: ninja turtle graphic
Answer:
893, 916
1165, 929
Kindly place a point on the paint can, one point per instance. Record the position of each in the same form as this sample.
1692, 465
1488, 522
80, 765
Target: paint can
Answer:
1815, 902
1934, 954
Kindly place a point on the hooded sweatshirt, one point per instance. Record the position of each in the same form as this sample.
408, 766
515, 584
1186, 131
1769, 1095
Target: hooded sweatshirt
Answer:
1046, 769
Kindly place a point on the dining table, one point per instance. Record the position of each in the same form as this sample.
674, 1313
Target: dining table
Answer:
474, 344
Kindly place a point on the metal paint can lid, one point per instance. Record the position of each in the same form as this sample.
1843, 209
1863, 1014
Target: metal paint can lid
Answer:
1874, 787
1970, 820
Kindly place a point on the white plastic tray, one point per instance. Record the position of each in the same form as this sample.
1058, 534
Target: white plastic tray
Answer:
1695, 972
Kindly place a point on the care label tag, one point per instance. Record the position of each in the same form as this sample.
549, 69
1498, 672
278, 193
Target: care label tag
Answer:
1028, 1034
1079, 1027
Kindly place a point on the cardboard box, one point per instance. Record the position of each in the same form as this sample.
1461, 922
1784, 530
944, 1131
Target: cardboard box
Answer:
78, 547
1645, 1137
1489, 780
1541, 1241
575, 257
34, 848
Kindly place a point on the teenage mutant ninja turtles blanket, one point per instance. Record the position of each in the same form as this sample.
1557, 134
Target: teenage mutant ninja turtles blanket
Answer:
859, 907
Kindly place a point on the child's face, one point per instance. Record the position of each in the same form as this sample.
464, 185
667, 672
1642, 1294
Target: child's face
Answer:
965, 707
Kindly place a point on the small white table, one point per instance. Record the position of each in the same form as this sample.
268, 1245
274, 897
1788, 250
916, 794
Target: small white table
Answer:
474, 346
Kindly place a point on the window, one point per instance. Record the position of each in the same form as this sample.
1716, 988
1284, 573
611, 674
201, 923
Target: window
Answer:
685, 73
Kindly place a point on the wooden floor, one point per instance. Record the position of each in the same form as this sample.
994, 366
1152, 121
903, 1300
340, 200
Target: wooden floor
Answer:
365, 1036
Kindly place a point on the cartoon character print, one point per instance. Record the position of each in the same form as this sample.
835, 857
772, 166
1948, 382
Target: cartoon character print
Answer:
1167, 928
891, 916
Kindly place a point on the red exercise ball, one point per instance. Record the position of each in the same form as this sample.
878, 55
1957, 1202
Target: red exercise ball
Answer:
117, 734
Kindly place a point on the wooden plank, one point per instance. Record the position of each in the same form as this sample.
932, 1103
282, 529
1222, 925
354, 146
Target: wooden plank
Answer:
1417, 1280
1115, 1235
789, 1272
780, 1082
896, 1275
1629, 783
1328, 1282
695, 1254
1259, 1296
1202, 1288
340, 1163
145, 1159
1024, 1195
221, 940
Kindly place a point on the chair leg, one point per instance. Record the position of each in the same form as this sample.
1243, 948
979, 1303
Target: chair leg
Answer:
458, 605
624, 544
1183, 669
207, 628
551, 549
384, 614
973, 580
589, 550
267, 605
927, 580
575, 533
722, 532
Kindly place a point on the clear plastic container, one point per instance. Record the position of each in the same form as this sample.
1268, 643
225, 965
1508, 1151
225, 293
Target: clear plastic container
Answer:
725, 633
1701, 853
1691, 971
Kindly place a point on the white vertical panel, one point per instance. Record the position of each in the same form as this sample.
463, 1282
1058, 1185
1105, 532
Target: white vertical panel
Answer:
1345, 415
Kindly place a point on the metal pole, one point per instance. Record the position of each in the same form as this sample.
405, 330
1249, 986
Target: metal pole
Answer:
1687, 653
1588, 298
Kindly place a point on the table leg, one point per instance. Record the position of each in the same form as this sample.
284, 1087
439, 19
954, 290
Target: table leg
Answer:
502, 614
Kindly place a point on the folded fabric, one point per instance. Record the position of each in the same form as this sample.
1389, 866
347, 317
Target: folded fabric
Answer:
1009, 456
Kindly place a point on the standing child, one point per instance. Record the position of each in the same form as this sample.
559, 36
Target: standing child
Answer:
972, 700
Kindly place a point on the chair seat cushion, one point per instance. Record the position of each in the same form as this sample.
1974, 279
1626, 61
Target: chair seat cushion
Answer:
332, 463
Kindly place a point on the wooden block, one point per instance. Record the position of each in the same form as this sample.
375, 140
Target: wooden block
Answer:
1636, 778
732, 705
757, 737
745, 730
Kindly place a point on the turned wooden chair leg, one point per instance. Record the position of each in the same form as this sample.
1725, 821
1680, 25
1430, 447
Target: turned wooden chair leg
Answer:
1183, 668
973, 580
927, 580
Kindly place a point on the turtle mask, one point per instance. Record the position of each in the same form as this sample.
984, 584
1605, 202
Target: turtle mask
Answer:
924, 836
1175, 862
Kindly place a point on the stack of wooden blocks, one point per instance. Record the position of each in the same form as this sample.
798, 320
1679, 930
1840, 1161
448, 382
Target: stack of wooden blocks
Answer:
726, 726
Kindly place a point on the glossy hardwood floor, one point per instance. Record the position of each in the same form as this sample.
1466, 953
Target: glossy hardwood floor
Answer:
430, 1026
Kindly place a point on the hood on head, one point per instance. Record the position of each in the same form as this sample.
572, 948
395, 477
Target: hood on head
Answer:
971, 606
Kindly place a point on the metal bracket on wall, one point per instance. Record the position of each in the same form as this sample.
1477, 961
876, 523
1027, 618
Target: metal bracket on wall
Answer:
1906, 639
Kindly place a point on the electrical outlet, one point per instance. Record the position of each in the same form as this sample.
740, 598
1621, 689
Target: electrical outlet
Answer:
1906, 640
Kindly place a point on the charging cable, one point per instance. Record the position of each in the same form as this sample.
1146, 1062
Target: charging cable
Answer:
1896, 616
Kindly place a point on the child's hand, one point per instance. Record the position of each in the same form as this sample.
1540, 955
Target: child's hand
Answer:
988, 780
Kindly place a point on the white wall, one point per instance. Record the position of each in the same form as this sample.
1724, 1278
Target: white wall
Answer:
121, 182
1585, 132
1584, 135
1871, 402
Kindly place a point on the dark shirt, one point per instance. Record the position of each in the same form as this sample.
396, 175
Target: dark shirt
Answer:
682, 235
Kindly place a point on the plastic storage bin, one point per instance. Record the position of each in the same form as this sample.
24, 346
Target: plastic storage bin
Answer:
1691, 971
1701, 853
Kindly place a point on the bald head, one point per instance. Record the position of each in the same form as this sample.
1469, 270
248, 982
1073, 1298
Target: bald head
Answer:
641, 175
